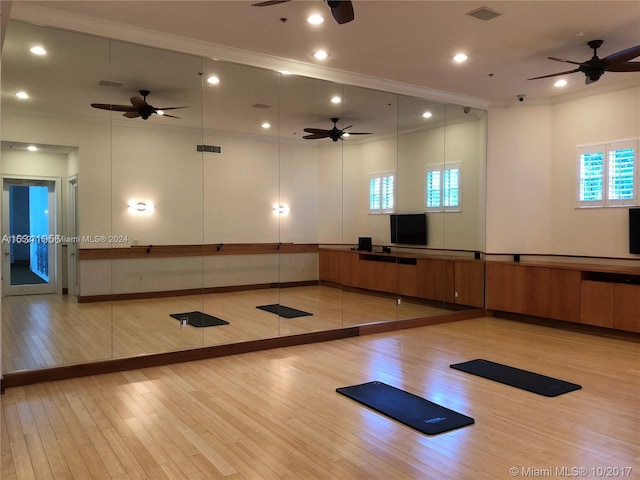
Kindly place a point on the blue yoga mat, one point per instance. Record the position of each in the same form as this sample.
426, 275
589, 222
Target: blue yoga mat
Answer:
407, 408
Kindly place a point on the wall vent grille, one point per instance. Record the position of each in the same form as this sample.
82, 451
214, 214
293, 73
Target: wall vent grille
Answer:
209, 148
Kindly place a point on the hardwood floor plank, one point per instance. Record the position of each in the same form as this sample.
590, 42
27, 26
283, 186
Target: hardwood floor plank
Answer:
275, 413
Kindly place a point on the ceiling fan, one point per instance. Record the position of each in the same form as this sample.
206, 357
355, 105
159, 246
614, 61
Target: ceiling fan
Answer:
342, 11
595, 67
334, 134
138, 108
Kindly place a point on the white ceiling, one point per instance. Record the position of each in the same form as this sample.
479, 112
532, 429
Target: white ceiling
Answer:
411, 42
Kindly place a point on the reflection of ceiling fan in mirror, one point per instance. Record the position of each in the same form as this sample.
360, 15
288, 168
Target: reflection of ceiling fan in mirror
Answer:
138, 108
342, 11
334, 134
595, 67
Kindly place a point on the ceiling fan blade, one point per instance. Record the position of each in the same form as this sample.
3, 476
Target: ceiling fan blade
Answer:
317, 131
625, 67
316, 135
131, 114
167, 115
347, 127
359, 133
563, 60
115, 108
268, 2
622, 56
554, 74
169, 108
342, 11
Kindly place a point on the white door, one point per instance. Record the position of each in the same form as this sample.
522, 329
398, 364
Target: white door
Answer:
28, 236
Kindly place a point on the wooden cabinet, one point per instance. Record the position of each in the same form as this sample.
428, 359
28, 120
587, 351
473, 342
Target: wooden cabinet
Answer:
407, 280
517, 288
533, 290
597, 303
626, 307
612, 305
435, 279
331, 265
469, 282
449, 280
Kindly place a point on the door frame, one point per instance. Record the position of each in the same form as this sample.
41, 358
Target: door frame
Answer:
72, 232
54, 278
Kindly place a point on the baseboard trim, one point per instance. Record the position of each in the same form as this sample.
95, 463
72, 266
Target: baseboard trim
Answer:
19, 379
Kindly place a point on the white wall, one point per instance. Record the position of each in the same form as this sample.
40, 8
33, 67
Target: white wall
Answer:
531, 176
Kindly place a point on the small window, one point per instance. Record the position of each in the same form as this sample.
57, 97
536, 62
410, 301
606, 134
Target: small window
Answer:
443, 187
382, 192
607, 174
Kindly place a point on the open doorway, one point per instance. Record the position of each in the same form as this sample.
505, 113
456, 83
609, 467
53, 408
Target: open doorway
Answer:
29, 227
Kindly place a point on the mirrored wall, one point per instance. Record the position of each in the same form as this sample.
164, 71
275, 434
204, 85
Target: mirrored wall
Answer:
214, 220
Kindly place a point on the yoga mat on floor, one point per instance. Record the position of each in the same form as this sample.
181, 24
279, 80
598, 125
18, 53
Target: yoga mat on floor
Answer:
407, 408
515, 377
286, 312
199, 319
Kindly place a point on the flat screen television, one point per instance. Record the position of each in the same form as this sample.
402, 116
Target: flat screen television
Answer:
409, 228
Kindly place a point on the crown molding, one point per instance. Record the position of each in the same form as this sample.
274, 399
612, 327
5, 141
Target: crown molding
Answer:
25, 12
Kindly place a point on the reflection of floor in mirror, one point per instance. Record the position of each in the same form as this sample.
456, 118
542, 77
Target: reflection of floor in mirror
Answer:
41, 331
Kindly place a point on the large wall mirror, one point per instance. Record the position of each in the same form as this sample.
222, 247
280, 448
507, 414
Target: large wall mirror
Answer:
128, 236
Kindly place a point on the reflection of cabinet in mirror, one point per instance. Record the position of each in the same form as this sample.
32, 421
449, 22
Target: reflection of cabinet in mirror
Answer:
450, 280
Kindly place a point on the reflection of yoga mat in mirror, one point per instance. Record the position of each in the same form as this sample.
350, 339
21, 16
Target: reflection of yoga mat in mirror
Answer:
286, 312
515, 377
198, 319
407, 408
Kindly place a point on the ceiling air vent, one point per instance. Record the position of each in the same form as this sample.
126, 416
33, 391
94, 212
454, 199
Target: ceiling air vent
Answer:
209, 148
261, 106
484, 13
108, 83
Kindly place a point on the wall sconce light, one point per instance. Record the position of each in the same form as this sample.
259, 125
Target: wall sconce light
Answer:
141, 208
281, 209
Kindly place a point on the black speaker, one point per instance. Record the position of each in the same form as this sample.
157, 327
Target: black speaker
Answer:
634, 230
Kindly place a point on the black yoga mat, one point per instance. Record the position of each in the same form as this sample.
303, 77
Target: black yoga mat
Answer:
286, 312
199, 319
515, 377
415, 412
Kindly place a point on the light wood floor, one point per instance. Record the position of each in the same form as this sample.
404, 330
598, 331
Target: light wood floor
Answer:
275, 414
40, 331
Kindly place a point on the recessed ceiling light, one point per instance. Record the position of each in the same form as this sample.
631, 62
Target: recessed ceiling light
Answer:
315, 19
460, 57
560, 83
213, 80
266, 125
22, 95
32, 148
427, 115
345, 135
160, 112
336, 99
321, 55
38, 50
